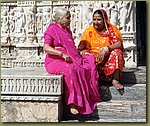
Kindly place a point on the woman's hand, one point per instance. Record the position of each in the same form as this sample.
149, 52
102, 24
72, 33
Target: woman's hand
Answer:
66, 57
102, 53
84, 53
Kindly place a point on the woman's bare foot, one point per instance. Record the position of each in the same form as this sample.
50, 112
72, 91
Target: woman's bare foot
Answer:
73, 110
118, 86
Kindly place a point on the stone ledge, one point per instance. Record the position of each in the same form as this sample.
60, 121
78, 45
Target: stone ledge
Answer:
31, 98
30, 81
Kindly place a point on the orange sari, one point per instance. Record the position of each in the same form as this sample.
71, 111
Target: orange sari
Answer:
92, 41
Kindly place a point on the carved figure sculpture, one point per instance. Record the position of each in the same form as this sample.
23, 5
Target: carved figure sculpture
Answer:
4, 21
31, 17
19, 20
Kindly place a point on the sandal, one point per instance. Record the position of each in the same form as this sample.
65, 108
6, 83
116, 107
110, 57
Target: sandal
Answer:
121, 91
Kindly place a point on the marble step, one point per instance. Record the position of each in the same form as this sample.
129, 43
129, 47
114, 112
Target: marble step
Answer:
131, 92
113, 111
130, 107
134, 75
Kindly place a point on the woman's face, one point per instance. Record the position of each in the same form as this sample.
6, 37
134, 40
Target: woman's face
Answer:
98, 22
65, 21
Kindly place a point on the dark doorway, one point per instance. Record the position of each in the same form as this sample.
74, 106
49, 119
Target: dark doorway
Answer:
141, 25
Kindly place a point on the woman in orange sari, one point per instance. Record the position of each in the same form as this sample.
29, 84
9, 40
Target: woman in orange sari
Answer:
104, 41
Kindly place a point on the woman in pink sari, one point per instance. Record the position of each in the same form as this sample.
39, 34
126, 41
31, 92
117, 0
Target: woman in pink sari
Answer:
80, 74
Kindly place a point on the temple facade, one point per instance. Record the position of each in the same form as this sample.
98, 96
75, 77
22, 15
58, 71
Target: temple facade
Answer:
30, 94
23, 24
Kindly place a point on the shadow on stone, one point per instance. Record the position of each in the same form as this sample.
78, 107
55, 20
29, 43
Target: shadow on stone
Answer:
129, 76
79, 117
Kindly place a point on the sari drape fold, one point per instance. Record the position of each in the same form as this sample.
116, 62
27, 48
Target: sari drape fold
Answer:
80, 74
92, 41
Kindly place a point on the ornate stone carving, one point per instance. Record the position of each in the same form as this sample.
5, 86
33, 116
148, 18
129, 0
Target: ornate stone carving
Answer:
130, 50
30, 23
31, 20
31, 98
30, 51
29, 85
125, 9
39, 25
6, 62
4, 26
20, 20
47, 17
26, 63
4, 21
5, 51
39, 21
114, 13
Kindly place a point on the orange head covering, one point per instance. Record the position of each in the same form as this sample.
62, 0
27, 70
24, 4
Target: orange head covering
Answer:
90, 37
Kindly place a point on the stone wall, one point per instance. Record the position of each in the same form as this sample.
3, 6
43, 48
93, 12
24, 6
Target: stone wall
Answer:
31, 111
23, 24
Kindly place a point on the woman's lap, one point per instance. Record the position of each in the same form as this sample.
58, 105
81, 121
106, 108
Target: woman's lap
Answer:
77, 88
114, 61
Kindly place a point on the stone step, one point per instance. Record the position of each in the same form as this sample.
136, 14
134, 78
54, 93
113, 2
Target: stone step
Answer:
134, 75
130, 107
129, 76
31, 75
131, 92
114, 111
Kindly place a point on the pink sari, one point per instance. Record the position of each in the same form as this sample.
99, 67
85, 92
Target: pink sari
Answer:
80, 74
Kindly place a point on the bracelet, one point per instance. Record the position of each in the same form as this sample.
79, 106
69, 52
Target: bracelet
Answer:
61, 54
108, 49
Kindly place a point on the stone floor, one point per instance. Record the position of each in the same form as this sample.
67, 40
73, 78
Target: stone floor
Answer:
130, 107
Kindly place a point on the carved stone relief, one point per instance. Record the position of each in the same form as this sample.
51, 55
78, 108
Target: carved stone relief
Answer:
37, 86
4, 26
24, 22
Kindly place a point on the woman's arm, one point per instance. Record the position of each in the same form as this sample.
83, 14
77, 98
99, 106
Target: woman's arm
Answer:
117, 45
51, 50
110, 48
